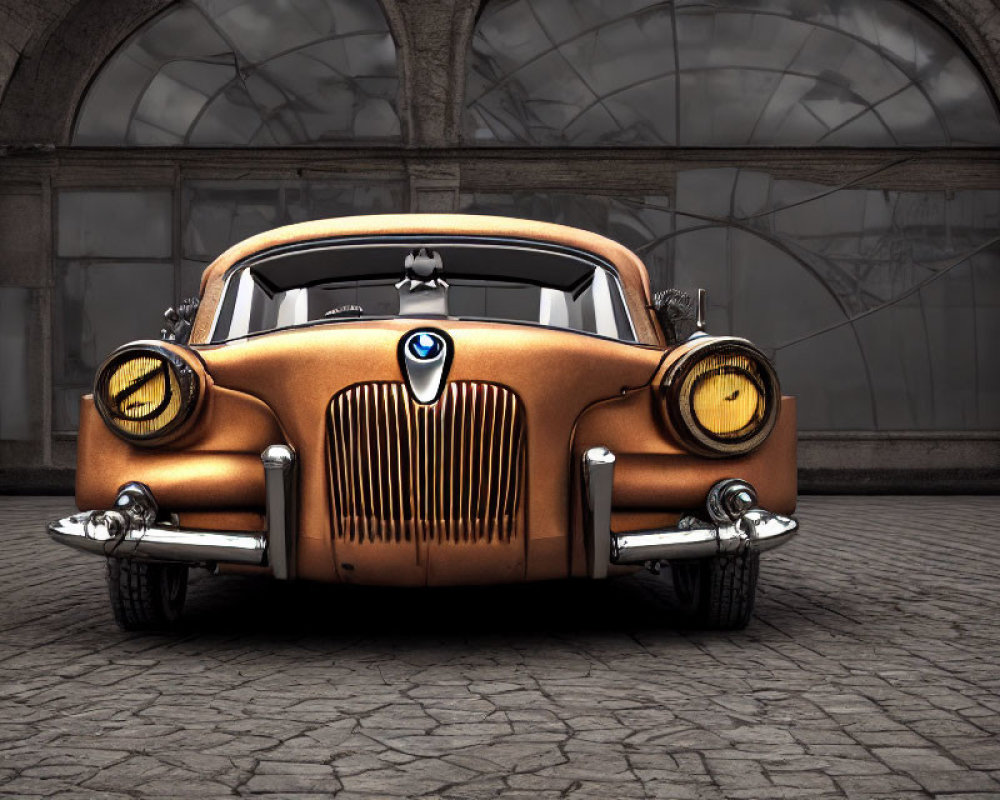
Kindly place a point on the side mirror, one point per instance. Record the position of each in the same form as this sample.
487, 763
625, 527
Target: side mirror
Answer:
673, 310
180, 321
677, 314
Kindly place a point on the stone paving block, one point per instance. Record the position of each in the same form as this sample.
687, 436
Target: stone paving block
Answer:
912, 759
978, 753
294, 783
894, 738
728, 773
870, 786
966, 796
956, 781
868, 672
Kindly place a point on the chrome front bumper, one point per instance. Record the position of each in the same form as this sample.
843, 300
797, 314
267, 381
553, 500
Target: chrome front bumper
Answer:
132, 529
734, 523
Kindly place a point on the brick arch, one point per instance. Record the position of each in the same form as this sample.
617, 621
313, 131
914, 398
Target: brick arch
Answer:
57, 64
975, 24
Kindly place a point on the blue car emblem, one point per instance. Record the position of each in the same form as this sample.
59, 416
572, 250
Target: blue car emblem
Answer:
425, 346
424, 359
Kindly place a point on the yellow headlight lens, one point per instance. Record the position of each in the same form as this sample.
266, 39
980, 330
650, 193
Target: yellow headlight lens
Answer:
726, 395
145, 393
721, 397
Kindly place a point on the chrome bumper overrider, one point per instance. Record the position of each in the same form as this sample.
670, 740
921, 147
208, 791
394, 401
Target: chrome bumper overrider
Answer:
131, 529
734, 523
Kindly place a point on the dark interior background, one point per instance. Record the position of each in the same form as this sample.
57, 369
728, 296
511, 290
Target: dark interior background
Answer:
826, 169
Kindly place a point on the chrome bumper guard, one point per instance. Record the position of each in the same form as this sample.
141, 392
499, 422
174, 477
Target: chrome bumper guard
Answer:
734, 524
131, 529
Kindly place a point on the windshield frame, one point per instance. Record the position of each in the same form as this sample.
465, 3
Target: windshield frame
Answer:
417, 240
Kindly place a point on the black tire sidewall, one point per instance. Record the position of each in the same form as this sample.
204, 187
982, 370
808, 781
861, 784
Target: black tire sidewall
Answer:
720, 592
146, 596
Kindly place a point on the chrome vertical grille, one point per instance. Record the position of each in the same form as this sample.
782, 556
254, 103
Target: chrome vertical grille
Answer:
448, 472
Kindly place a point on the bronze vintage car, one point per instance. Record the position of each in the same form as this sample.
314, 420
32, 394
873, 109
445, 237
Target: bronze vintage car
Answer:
418, 400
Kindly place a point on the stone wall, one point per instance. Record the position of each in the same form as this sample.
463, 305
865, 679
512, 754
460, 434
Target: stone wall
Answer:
50, 50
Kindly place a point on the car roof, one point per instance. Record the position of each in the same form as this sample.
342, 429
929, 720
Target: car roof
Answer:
631, 271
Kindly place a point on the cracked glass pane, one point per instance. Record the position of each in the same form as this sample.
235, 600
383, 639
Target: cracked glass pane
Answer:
217, 214
881, 307
114, 277
844, 73
15, 321
248, 73
114, 224
88, 305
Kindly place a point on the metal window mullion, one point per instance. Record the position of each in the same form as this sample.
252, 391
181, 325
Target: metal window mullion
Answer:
50, 219
175, 231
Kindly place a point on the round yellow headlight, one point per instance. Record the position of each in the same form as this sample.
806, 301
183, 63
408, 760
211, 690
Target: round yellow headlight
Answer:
722, 397
145, 392
727, 398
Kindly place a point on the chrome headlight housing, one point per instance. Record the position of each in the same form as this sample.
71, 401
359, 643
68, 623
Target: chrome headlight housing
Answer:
721, 397
146, 391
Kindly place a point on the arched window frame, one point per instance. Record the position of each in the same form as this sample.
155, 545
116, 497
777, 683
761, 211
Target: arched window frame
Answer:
245, 69
647, 177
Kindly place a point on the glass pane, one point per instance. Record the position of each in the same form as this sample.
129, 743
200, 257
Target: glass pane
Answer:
114, 224
218, 214
182, 36
484, 280
846, 403
881, 307
97, 308
176, 97
191, 278
260, 29
752, 73
248, 73
15, 310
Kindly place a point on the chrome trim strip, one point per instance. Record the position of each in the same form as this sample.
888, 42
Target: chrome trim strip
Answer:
92, 533
598, 479
279, 489
734, 523
694, 538
130, 529
699, 540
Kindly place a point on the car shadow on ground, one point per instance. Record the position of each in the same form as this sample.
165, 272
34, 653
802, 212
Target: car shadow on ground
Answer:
236, 604
272, 610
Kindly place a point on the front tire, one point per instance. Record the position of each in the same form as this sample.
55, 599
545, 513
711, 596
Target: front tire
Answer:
146, 596
718, 592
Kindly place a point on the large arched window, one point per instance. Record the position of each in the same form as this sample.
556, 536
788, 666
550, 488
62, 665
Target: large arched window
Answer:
244, 75
871, 275
726, 74
248, 73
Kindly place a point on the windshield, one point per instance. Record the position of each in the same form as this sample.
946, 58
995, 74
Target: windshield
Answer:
468, 279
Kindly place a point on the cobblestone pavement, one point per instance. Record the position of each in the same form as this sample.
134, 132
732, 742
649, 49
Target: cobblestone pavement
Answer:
870, 670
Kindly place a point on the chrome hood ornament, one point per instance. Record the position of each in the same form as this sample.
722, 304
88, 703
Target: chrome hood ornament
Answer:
424, 359
423, 291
